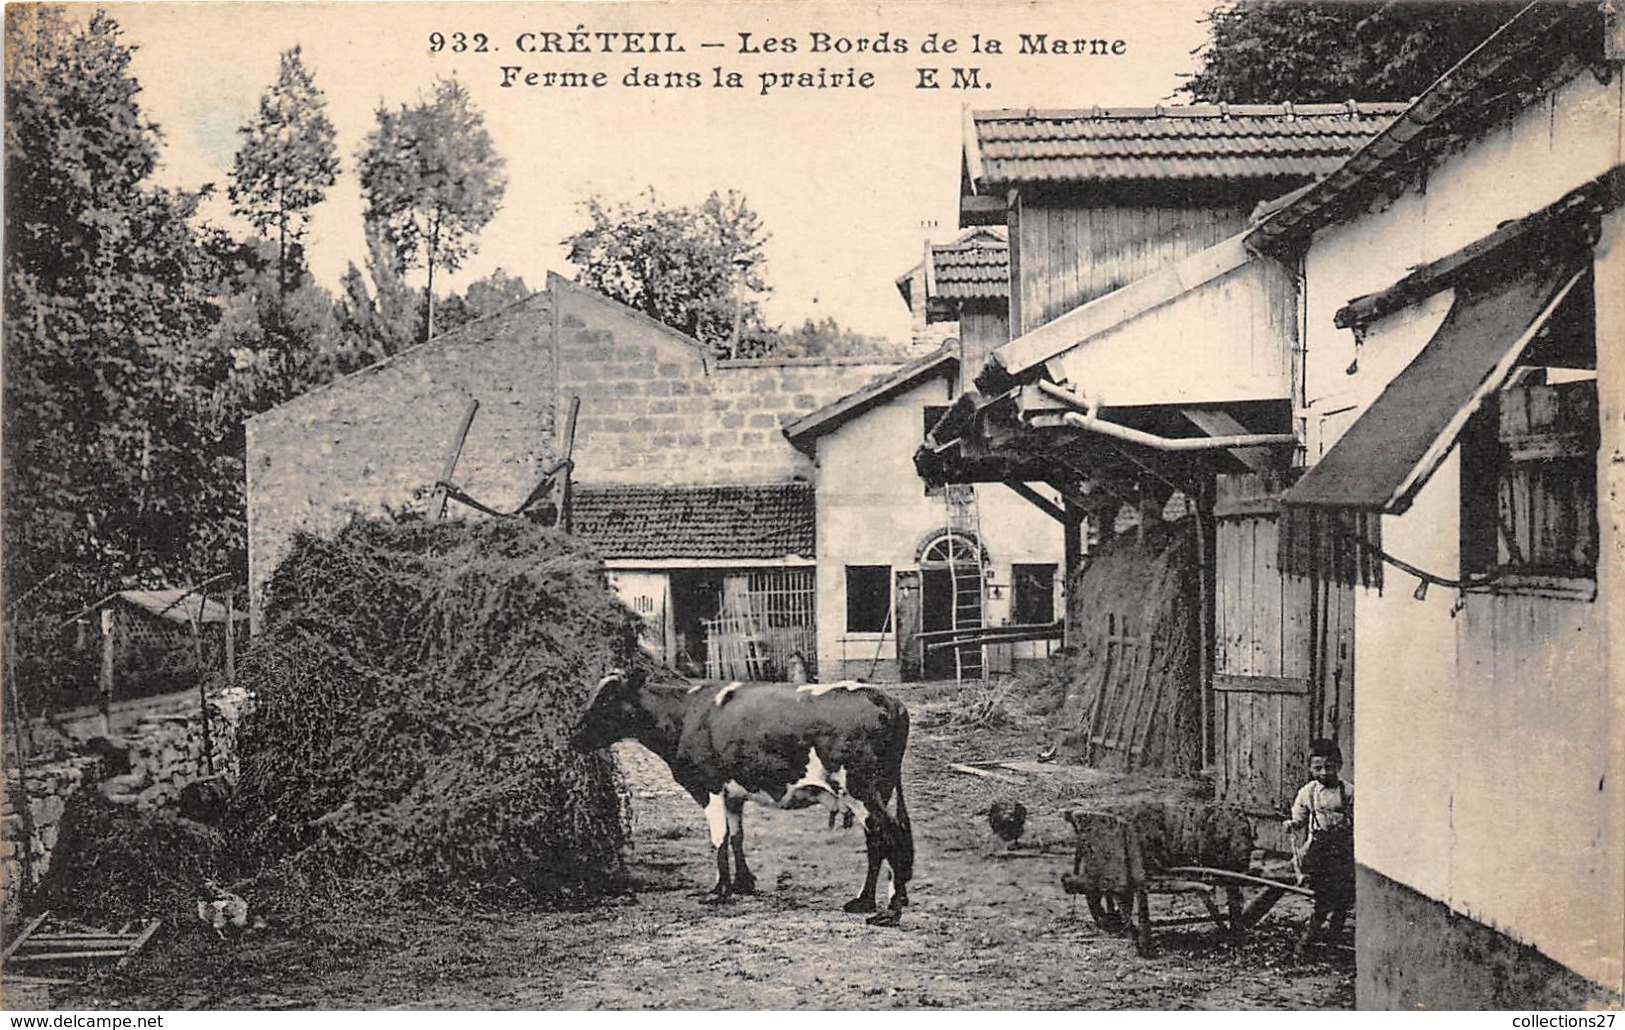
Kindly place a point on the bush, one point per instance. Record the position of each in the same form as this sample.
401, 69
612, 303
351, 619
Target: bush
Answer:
415, 685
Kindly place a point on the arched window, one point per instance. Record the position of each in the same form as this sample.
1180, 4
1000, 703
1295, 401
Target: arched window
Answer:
950, 548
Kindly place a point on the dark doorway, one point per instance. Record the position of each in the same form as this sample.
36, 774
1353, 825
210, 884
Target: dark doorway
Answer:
696, 595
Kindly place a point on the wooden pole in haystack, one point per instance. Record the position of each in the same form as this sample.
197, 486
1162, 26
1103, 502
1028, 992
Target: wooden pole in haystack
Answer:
568, 471
437, 500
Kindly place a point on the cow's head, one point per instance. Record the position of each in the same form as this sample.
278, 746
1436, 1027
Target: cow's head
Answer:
612, 711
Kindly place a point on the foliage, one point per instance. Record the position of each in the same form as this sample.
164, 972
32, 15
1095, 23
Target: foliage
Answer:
685, 266
432, 180
825, 338
415, 686
483, 297
110, 292
1329, 51
286, 164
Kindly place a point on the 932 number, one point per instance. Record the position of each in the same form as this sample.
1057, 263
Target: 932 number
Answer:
459, 42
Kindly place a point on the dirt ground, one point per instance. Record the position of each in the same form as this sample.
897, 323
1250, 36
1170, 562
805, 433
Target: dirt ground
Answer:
988, 927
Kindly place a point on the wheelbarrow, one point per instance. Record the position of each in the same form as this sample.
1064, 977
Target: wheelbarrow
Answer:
1123, 858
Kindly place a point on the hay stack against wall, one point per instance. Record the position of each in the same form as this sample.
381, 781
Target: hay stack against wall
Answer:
416, 687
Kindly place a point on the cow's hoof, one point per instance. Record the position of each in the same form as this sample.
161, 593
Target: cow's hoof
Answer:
887, 917
859, 905
746, 886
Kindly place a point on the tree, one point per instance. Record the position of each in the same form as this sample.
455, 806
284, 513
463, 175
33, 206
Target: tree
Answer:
110, 295
432, 181
483, 297
825, 338
1329, 51
697, 269
286, 164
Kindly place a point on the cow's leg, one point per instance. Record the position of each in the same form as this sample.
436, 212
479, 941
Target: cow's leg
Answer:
716, 818
876, 848
896, 847
744, 882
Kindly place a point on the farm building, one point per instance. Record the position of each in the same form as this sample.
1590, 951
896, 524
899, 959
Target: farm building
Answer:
1461, 409
1095, 199
901, 568
670, 444
1399, 383
1110, 214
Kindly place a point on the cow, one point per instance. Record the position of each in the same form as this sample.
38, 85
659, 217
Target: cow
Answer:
786, 745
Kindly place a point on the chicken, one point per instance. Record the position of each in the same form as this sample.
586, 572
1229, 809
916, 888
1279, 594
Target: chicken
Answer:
1008, 819
225, 909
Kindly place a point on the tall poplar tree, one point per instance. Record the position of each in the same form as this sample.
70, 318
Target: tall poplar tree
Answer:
286, 164
432, 180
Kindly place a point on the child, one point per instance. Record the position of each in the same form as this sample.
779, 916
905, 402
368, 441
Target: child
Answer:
1325, 806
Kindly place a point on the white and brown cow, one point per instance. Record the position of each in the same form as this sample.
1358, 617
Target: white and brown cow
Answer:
790, 746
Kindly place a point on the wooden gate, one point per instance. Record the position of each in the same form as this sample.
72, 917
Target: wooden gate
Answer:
1283, 662
1128, 698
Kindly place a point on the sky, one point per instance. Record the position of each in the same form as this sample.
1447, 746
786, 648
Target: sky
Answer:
849, 179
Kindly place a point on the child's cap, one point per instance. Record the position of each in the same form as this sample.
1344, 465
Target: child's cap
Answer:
1325, 747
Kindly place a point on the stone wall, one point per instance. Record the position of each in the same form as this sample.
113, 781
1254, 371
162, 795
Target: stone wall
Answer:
656, 408
166, 753
378, 439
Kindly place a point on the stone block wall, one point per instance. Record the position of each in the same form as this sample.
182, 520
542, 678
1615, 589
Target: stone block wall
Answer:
378, 439
166, 753
656, 408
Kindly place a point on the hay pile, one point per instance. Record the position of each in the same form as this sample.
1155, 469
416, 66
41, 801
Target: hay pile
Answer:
416, 684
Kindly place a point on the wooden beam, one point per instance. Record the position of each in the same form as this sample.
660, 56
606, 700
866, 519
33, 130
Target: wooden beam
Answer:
1564, 216
437, 500
1261, 684
1038, 501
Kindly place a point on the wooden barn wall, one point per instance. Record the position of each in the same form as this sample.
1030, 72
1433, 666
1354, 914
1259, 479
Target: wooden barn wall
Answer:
983, 327
1256, 304
1071, 254
1283, 658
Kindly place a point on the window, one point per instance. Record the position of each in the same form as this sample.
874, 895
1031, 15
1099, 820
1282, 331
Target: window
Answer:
868, 598
1032, 598
1529, 461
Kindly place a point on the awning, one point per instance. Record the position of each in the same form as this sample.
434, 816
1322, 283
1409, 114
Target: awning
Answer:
1387, 455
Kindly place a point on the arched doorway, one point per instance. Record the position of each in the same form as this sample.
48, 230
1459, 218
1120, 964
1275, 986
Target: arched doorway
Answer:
951, 568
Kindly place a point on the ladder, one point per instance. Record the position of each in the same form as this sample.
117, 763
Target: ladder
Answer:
967, 575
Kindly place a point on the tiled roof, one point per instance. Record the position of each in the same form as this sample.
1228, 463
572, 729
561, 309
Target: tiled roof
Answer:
972, 270
765, 521
1212, 143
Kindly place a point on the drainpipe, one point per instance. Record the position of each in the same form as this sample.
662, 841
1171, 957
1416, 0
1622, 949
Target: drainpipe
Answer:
1085, 418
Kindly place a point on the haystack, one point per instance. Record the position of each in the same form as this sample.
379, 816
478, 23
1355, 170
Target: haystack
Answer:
416, 686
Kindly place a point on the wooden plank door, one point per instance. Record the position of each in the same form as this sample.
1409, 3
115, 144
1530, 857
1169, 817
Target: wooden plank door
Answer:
1282, 663
906, 619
